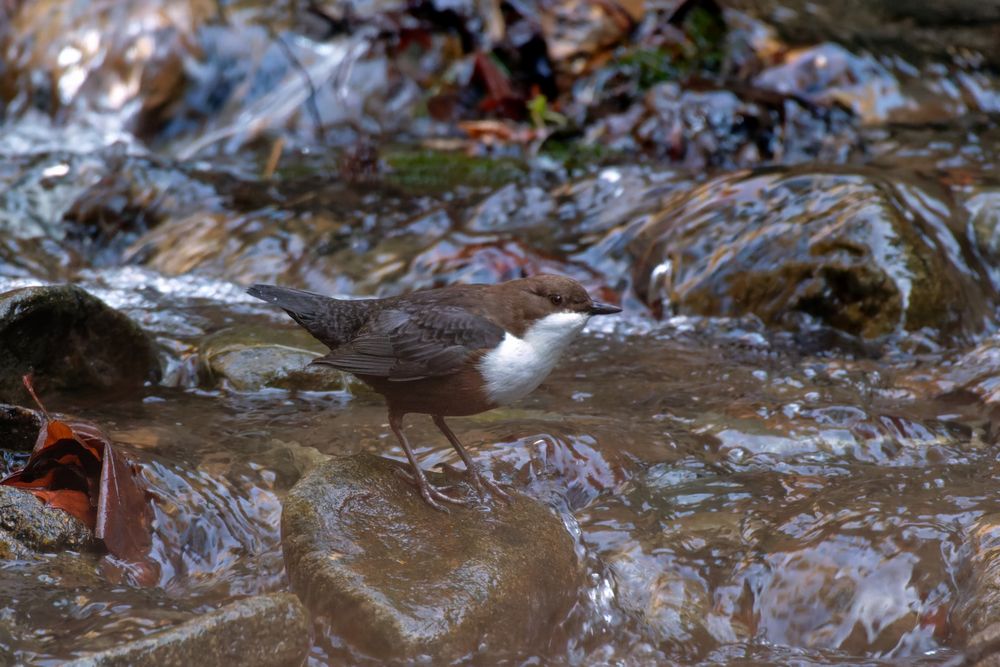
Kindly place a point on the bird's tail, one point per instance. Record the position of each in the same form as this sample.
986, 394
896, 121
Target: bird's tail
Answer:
331, 321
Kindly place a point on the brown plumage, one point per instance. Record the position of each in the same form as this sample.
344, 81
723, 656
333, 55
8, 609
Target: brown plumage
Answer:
426, 352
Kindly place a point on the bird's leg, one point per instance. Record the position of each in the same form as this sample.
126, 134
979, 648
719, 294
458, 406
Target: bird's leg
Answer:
476, 477
430, 494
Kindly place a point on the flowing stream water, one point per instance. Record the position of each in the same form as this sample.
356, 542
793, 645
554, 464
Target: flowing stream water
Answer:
741, 488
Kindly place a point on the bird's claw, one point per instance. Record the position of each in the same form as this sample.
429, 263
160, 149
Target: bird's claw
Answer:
430, 493
475, 478
497, 491
483, 484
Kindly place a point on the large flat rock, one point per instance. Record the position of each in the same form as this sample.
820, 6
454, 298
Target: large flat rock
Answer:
397, 579
266, 630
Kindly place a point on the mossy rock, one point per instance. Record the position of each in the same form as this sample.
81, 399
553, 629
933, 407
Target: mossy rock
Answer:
849, 249
69, 339
432, 171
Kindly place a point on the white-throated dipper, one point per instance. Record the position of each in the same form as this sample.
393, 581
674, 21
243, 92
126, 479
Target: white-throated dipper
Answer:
446, 352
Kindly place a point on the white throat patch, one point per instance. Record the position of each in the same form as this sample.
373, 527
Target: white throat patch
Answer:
518, 365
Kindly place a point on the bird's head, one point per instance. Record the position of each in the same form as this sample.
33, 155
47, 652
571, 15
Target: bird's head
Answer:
556, 302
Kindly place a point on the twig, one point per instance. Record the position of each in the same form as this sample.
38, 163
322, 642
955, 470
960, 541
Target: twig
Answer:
311, 100
272, 159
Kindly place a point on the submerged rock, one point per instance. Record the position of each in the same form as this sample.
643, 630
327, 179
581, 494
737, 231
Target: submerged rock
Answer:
68, 338
851, 250
250, 358
263, 630
671, 606
821, 596
972, 376
978, 605
398, 579
983, 650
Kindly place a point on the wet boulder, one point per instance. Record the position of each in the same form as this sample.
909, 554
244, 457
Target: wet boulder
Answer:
248, 358
397, 579
983, 650
917, 30
671, 606
27, 524
847, 249
69, 339
19, 428
978, 604
263, 630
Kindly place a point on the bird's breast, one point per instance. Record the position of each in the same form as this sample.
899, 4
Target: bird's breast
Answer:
517, 366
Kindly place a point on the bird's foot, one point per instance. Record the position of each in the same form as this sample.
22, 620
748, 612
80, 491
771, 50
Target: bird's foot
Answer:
483, 484
451, 473
493, 488
430, 493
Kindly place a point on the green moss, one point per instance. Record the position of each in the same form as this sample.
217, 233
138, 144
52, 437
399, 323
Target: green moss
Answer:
706, 32
648, 67
439, 170
701, 53
579, 156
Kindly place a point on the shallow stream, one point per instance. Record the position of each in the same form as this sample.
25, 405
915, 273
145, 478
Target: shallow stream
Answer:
778, 453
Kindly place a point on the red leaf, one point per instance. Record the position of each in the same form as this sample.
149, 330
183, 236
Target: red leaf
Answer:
494, 80
76, 503
54, 432
75, 467
500, 95
118, 498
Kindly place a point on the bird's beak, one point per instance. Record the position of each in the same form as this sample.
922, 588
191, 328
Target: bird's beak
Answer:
598, 308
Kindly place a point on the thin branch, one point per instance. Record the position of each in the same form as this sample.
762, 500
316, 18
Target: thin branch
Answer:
311, 100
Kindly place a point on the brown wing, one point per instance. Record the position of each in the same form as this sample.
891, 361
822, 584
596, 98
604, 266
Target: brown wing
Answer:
414, 343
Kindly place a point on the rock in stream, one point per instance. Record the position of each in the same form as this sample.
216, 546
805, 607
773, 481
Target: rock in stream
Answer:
853, 250
264, 630
27, 525
250, 358
398, 579
976, 614
68, 338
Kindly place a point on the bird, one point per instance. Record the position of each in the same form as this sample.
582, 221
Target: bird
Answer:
449, 351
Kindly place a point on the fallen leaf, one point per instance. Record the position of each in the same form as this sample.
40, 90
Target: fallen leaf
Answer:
119, 500
75, 468
495, 131
500, 97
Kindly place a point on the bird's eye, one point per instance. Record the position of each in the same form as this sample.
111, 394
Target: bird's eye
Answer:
556, 299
